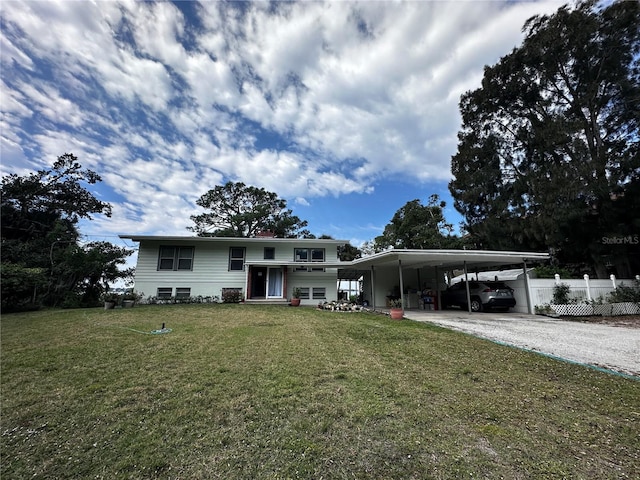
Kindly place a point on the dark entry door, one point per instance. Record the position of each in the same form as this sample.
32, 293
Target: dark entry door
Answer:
259, 282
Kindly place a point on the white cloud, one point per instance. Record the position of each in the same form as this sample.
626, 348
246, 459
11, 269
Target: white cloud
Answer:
306, 99
10, 52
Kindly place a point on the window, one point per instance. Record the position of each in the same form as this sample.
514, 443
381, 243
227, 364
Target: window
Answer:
319, 293
184, 292
309, 255
301, 255
269, 253
164, 292
175, 258
304, 293
317, 254
236, 258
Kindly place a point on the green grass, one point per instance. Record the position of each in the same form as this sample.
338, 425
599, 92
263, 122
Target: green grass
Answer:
274, 392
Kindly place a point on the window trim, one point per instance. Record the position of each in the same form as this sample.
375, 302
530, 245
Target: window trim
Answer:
304, 293
309, 254
319, 293
301, 260
164, 292
178, 251
233, 259
181, 291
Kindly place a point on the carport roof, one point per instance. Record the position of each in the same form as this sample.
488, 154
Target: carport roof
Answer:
447, 259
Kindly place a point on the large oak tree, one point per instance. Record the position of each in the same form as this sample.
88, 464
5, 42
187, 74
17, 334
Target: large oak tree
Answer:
549, 151
237, 210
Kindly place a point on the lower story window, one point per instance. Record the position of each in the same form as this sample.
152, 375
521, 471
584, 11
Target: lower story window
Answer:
319, 293
304, 293
164, 292
184, 292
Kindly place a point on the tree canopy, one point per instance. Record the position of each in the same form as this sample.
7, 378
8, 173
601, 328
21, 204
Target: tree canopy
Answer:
418, 226
237, 210
42, 257
549, 151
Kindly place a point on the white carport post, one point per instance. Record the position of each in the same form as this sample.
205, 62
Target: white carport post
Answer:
401, 282
466, 281
373, 289
527, 288
438, 289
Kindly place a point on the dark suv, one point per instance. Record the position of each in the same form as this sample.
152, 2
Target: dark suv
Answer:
484, 296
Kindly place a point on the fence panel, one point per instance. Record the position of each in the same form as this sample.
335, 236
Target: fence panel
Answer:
542, 290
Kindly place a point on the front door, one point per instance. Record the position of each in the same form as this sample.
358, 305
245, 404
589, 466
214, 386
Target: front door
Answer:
258, 282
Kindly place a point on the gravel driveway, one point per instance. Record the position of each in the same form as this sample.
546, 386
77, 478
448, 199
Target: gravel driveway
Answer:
604, 346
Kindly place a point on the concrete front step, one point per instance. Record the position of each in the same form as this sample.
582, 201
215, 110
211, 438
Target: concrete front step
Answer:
267, 301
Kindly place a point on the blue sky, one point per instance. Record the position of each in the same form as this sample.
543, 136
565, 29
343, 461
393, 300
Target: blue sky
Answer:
347, 110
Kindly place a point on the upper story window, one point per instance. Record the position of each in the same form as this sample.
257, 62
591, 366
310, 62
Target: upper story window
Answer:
236, 258
175, 258
309, 254
269, 253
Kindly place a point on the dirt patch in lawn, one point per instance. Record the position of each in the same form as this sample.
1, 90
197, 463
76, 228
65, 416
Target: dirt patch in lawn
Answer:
628, 321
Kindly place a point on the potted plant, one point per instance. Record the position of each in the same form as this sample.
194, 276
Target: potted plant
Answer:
295, 301
110, 300
129, 299
396, 312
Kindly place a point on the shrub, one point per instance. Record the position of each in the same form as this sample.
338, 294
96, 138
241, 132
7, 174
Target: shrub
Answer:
561, 294
625, 293
231, 295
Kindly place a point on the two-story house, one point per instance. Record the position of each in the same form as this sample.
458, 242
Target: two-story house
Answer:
262, 268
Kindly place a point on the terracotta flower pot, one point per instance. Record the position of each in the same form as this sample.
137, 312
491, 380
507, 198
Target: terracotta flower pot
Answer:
396, 313
295, 302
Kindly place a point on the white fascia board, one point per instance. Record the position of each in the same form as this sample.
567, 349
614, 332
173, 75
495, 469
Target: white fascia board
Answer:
243, 240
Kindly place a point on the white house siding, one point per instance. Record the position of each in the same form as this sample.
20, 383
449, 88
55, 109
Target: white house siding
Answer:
310, 280
210, 270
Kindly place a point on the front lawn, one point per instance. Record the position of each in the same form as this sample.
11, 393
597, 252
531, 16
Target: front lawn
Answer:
239, 391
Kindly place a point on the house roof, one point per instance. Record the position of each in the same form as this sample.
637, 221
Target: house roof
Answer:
244, 240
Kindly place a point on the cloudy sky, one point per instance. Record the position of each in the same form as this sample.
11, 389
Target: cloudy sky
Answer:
347, 110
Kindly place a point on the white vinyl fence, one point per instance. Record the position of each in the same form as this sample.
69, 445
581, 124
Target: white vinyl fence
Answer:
582, 293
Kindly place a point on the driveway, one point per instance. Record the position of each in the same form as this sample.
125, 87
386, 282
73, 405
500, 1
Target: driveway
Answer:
603, 346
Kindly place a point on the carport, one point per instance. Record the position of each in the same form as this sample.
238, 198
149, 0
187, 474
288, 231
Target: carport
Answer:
392, 266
